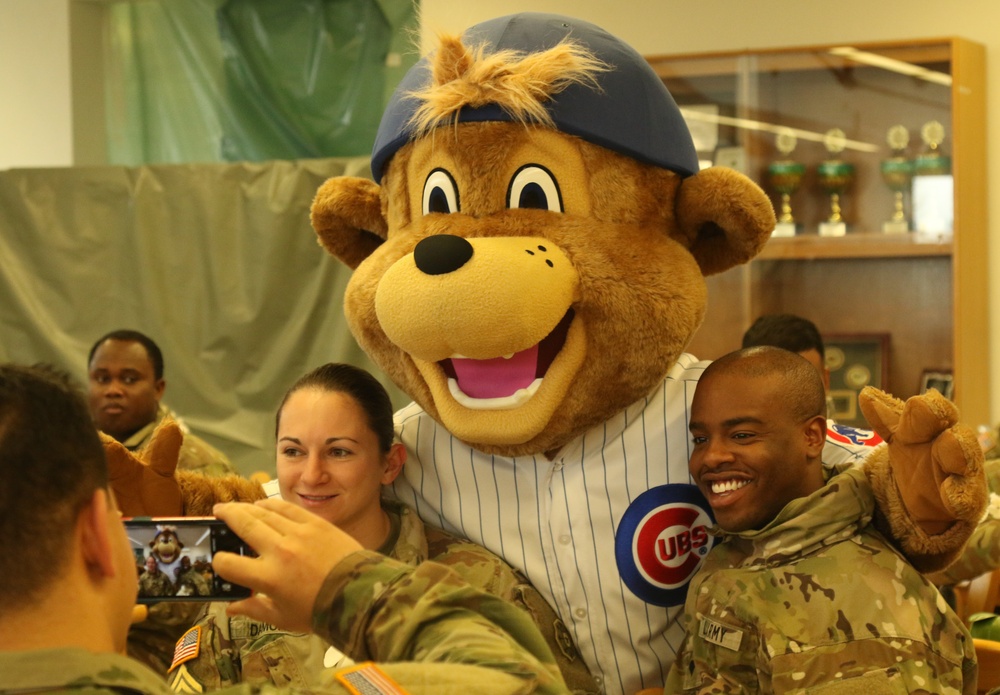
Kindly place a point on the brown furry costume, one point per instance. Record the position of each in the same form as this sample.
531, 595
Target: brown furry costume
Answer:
458, 257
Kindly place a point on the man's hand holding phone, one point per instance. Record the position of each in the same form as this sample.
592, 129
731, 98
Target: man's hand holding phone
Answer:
296, 550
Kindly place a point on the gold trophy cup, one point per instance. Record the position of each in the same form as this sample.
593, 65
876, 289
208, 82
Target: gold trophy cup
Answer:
835, 176
933, 187
785, 176
897, 172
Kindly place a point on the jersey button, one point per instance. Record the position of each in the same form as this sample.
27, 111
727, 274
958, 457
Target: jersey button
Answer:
580, 613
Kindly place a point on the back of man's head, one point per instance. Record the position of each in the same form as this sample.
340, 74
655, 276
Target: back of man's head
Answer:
788, 331
51, 462
126, 335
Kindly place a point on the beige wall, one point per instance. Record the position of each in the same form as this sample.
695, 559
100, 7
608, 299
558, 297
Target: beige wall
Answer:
36, 119
684, 26
35, 109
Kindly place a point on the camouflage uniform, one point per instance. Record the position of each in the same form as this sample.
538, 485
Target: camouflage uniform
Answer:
191, 582
196, 454
819, 598
239, 650
439, 633
982, 552
155, 584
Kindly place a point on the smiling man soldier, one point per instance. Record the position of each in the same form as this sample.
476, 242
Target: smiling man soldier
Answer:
801, 591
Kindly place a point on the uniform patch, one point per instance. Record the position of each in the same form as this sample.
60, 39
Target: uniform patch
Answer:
243, 628
368, 679
661, 540
187, 647
183, 682
853, 435
719, 634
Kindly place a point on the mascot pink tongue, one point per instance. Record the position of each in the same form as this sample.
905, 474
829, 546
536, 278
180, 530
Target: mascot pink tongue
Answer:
496, 378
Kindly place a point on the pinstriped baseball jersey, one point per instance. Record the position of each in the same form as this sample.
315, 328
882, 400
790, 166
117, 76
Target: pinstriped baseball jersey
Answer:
556, 520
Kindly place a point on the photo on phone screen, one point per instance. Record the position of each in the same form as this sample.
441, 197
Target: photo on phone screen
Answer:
174, 559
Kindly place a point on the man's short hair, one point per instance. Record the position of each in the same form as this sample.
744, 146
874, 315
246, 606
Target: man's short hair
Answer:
51, 462
130, 336
788, 331
802, 388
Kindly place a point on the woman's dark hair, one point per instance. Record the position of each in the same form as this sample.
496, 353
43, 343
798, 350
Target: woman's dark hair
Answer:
359, 385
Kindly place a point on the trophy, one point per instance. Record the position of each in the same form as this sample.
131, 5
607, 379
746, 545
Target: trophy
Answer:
897, 172
785, 176
835, 175
933, 187
932, 161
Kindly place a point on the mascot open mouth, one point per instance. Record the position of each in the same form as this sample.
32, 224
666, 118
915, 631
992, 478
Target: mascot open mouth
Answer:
508, 381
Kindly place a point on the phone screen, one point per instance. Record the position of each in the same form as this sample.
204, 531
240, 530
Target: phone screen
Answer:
173, 558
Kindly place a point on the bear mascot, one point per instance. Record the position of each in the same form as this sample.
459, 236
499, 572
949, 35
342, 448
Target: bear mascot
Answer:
528, 266
166, 547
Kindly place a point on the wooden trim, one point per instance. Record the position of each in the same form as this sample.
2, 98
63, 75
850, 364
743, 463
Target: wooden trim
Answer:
970, 270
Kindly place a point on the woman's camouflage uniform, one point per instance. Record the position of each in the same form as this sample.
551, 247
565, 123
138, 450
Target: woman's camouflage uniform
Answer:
239, 650
815, 599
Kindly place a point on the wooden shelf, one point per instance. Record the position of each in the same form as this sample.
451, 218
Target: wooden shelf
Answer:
853, 245
724, 63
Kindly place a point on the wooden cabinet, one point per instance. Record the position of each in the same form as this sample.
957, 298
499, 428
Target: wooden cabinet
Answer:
927, 292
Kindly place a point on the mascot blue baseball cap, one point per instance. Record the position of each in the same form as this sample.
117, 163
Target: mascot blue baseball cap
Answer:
631, 112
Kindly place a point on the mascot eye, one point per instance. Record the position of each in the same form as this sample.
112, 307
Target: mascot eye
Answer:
440, 193
533, 186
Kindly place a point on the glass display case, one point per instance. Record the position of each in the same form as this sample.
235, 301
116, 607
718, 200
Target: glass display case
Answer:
874, 159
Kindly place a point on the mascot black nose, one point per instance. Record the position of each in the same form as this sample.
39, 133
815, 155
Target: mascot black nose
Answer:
442, 253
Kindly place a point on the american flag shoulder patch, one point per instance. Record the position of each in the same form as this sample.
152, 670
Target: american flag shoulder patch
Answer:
187, 647
368, 679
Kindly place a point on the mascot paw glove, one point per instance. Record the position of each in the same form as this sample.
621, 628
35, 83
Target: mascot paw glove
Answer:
144, 484
937, 464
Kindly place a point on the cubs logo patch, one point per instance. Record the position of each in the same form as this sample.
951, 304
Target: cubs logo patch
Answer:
846, 434
661, 540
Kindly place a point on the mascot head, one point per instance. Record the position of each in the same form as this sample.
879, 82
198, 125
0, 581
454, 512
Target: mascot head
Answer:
166, 546
532, 257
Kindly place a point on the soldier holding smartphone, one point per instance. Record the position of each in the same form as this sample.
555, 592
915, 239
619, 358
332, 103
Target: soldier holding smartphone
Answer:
68, 606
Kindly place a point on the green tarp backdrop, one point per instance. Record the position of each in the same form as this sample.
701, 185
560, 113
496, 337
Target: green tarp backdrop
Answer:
216, 262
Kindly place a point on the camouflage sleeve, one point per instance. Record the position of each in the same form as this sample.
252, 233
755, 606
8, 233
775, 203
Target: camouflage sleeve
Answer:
487, 571
215, 662
399, 678
373, 607
198, 455
152, 640
981, 553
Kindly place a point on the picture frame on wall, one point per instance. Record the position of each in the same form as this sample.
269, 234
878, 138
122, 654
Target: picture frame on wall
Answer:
854, 360
941, 379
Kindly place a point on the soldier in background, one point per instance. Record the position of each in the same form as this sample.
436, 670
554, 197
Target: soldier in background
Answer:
154, 583
125, 392
189, 581
801, 589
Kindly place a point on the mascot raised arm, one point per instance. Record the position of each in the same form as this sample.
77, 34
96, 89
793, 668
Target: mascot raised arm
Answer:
529, 266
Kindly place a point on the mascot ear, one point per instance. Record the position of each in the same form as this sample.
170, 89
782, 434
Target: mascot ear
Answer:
347, 216
725, 217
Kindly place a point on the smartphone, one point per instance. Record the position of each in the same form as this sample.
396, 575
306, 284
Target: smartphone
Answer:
173, 557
